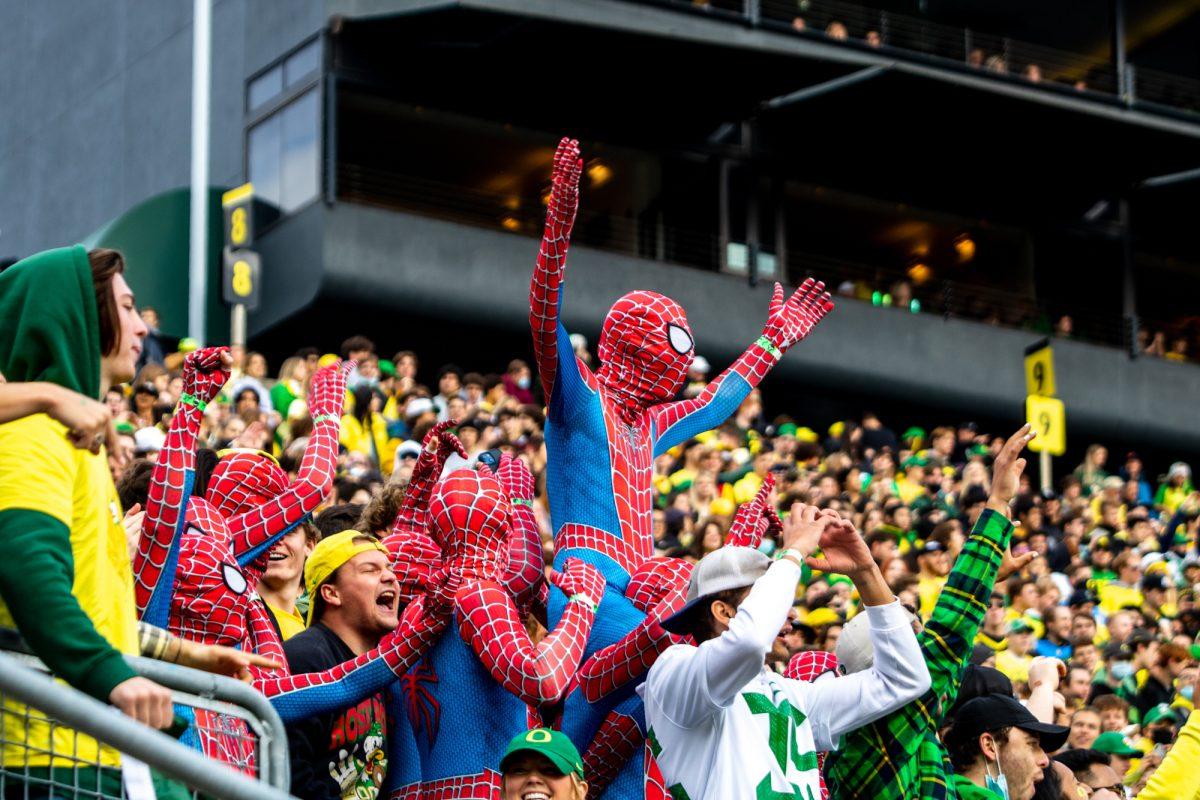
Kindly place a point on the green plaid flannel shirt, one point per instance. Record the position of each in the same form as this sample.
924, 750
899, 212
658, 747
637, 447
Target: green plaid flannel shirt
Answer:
900, 756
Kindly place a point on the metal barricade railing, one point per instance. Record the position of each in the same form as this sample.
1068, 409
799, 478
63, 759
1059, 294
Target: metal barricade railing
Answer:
57, 742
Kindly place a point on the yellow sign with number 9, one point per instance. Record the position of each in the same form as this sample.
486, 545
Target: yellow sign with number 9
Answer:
1048, 418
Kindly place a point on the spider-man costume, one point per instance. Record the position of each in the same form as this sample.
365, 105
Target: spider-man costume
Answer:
809, 666
486, 669
417, 561
193, 578
603, 430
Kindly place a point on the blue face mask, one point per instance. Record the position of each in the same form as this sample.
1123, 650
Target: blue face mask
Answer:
998, 784
1122, 670
523, 382
1188, 691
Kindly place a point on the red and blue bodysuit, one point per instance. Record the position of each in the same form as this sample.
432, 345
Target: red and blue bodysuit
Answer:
195, 577
604, 429
486, 669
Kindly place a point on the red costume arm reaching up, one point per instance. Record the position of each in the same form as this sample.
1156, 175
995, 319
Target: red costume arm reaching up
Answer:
545, 290
787, 323
437, 446
526, 563
204, 373
256, 530
753, 519
537, 674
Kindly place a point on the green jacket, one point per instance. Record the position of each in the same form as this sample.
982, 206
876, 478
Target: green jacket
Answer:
49, 331
970, 791
900, 755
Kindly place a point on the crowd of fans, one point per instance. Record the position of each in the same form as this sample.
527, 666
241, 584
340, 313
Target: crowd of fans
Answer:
1109, 556
1092, 622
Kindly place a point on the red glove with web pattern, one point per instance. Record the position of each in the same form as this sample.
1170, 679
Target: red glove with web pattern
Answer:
789, 322
327, 392
579, 580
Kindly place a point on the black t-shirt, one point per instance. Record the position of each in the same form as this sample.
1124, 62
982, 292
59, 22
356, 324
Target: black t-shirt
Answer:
339, 755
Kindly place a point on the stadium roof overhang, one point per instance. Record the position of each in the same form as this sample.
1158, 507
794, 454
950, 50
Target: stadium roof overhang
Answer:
836, 113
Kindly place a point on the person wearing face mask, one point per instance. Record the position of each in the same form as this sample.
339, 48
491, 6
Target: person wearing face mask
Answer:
542, 764
998, 749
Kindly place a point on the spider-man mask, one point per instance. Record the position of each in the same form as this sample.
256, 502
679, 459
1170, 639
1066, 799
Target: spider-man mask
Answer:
211, 591
468, 518
244, 479
645, 348
414, 558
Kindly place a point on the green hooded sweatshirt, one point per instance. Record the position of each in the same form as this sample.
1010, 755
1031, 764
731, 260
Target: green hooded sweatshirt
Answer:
49, 331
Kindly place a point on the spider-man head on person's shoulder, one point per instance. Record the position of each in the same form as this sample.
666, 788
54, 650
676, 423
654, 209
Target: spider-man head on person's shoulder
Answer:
468, 518
244, 479
645, 348
212, 592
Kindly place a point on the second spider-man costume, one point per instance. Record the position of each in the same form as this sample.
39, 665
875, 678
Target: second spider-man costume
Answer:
604, 429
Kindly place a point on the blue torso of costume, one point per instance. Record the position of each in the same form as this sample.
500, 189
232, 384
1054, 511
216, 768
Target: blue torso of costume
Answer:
462, 719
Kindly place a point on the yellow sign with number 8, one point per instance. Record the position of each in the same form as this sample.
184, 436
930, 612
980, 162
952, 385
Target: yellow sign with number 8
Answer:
237, 225
242, 284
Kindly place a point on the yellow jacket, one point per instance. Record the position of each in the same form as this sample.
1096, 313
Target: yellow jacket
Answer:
1177, 777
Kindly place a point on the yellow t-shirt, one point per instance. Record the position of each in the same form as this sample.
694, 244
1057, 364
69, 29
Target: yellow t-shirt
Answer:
928, 589
289, 623
1114, 597
1014, 666
45, 473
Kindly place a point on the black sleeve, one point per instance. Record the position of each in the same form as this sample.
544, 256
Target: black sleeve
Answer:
308, 740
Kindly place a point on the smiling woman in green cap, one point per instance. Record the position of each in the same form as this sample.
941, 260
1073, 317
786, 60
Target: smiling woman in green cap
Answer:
542, 764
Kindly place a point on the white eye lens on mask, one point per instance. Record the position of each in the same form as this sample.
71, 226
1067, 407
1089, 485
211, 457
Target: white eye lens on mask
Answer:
681, 340
234, 578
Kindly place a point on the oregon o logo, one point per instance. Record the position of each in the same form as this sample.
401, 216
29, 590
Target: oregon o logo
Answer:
538, 736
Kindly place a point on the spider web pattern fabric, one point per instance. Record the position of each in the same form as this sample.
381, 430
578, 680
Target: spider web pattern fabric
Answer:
603, 430
300, 696
256, 530
487, 668
658, 588
615, 744
211, 594
525, 573
807, 666
156, 561
242, 480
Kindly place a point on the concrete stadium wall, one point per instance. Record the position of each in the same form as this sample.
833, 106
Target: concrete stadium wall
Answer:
97, 100
442, 268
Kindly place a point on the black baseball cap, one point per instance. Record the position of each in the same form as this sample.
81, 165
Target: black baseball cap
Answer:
995, 711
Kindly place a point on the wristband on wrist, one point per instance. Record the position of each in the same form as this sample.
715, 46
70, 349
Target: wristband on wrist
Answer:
521, 501
326, 418
769, 346
186, 399
582, 598
793, 555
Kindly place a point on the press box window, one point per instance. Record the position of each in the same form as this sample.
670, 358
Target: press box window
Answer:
284, 154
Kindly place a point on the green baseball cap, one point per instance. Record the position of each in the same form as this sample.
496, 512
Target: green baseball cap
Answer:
1115, 744
554, 745
1160, 711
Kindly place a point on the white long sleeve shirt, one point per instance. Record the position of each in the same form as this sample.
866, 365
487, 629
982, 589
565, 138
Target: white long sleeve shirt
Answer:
724, 727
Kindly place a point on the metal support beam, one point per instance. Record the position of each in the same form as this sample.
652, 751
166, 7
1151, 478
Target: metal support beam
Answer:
1118, 48
816, 90
1171, 179
198, 230
1128, 284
